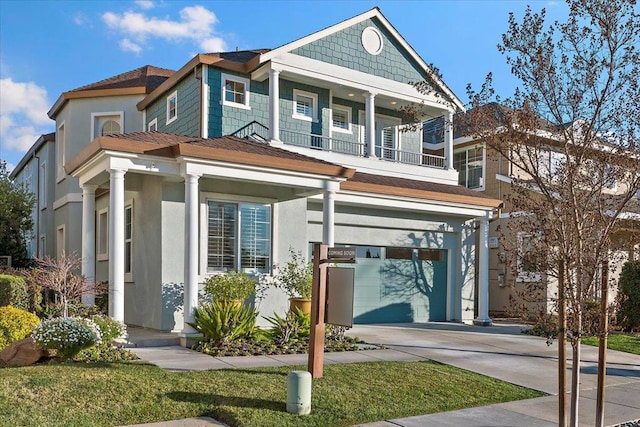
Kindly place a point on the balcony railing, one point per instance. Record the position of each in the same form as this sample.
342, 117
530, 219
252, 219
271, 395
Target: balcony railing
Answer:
258, 132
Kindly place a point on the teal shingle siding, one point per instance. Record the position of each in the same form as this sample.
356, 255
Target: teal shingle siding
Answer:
188, 120
344, 48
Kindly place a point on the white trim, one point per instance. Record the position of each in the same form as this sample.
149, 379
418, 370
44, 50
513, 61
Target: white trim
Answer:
204, 100
94, 116
466, 149
153, 122
60, 151
237, 79
314, 105
61, 246
174, 94
503, 178
372, 40
42, 185
373, 13
346, 109
67, 198
102, 256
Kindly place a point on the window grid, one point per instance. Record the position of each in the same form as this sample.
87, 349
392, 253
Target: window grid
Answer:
469, 163
234, 92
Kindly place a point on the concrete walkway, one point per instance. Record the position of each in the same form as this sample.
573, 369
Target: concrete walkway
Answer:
500, 351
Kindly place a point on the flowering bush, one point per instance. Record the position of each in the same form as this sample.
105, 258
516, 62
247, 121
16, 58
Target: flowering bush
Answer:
67, 336
110, 329
15, 324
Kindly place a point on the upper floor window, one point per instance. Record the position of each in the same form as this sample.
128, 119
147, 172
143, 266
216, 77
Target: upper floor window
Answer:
172, 107
433, 131
110, 127
238, 237
235, 91
528, 258
42, 185
341, 119
305, 105
60, 152
470, 166
153, 125
550, 163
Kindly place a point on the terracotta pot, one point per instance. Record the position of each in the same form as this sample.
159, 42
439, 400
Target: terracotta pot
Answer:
302, 304
232, 302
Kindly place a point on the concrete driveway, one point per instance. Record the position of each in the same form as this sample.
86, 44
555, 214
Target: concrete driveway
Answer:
503, 352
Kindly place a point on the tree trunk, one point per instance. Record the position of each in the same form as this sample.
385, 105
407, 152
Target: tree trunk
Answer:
575, 372
562, 350
602, 349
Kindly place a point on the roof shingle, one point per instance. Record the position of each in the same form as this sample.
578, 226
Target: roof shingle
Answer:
147, 76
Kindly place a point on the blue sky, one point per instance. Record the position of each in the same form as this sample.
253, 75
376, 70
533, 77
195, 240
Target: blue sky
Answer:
48, 47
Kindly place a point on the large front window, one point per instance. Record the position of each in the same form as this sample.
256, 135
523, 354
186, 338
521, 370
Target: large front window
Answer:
469, 164
238, 237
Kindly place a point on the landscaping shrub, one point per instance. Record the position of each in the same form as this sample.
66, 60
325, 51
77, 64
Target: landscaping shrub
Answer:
221, 322
105, 352
292, 326
110, 329
14, 292
66, 335
628, 314
230, 286
15, 324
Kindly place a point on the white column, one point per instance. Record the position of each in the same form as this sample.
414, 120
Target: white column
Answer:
190, 249
274, 105
448, 140
483, 273
88, 268
370, 124
328, 217
116, 244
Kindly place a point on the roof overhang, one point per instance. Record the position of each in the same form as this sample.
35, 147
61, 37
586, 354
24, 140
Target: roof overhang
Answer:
96, 93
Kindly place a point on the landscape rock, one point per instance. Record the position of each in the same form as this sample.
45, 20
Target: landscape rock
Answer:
21, 353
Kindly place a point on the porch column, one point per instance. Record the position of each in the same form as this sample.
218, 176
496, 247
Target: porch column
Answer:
370, 125
328, 217
190, 249
483, 273
274, 105
88, 268
448, 140
116, 244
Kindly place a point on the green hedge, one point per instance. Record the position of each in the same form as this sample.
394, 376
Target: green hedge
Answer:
14, 291
629, 296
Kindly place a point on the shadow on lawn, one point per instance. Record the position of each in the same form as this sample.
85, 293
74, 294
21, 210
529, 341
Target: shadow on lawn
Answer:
219, 412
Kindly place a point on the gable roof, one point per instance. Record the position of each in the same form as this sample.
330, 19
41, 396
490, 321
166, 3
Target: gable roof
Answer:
141, 81
227, 149
373, 13
48, 137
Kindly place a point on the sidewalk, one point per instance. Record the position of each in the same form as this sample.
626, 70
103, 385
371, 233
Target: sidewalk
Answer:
497, 351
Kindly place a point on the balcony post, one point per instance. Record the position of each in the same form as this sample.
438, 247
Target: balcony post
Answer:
190, 250
483, 273
88, 268
274, 106
328, 215
116, 244
370, 125
448, 140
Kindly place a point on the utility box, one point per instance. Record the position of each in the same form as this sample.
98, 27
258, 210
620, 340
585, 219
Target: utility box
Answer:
340, 285
299, 392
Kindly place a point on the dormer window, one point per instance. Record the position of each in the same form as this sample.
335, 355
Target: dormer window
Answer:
111, 127
107, 123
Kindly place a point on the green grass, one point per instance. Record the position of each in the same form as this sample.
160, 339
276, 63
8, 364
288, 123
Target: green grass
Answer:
104, 394
619, 342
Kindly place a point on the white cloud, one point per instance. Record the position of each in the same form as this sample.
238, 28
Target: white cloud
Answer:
23, 114
128, 46
144, 4
196, 24
79, 19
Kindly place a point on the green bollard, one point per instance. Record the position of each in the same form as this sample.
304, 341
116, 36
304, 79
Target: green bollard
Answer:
299, 393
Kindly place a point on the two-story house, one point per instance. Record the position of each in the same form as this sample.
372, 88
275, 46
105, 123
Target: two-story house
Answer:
248, 154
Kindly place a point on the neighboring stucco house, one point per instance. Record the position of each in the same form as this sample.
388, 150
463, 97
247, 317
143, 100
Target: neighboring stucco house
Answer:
247, 154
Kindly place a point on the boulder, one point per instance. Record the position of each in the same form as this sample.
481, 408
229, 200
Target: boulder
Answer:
21, 353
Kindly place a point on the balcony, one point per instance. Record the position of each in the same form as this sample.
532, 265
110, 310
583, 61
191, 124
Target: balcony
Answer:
258, 132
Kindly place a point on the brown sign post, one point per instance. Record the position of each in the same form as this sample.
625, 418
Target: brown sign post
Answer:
322, 256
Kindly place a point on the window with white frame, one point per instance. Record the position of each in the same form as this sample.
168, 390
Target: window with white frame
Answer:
341, 119
60, 241
153, 125
550, 163
527, 261
128, 242
42, 185
172, 107
305, 105
102, 247
60, 152
238, 237
470, 166
42, 250
235, 91
106, 123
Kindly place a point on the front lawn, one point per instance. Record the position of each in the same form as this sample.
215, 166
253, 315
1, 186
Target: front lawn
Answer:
619, 342
103, 394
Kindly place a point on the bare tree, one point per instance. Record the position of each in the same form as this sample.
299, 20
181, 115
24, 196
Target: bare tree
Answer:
59, 275
571, 136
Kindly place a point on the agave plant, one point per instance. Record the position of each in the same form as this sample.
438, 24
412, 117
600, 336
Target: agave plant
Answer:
293, 325
223, 323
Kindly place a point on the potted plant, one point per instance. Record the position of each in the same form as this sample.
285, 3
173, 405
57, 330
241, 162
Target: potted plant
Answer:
296, 279
230, 287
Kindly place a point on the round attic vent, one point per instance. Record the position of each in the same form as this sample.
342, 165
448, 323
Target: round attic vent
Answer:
372, 40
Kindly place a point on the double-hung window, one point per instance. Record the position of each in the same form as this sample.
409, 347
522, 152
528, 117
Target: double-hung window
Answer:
235, 91
469, 164
305, 105
128, 242
341, 119
238, 237
172, 107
